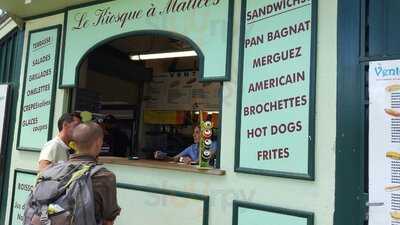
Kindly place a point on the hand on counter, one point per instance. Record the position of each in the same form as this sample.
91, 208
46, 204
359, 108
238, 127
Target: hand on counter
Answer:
185, 160
160, 155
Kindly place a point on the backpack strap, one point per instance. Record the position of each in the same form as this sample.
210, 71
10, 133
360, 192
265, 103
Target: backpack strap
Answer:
84, 168
95, 168
44, 217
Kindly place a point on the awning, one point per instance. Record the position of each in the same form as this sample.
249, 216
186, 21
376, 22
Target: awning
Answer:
23, 9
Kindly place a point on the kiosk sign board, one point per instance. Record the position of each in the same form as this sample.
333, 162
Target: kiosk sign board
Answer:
275, 130
384, 142
36, 117
206, 25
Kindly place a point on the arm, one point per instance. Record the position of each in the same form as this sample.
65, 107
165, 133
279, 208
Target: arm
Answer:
43, 164
187, 154
46, 157
163, 156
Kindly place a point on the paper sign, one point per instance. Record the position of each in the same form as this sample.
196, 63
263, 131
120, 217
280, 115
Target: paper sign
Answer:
384, 142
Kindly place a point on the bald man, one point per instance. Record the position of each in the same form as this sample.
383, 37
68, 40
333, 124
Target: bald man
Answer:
89, 139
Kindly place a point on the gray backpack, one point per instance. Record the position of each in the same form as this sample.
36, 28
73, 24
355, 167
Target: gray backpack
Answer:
63, 195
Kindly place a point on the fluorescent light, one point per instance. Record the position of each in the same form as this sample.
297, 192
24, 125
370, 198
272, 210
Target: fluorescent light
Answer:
209, 112
164, 55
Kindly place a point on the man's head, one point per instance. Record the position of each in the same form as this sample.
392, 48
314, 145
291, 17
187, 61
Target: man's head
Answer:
109, 121
196, 133
88, 138
67, 122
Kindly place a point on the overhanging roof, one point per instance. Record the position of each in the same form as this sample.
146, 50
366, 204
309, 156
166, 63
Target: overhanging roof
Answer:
30, 8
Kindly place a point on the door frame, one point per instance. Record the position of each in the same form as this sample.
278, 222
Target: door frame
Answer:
350, 199
14, 79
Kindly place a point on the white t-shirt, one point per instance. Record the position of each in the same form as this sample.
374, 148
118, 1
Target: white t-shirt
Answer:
54, 151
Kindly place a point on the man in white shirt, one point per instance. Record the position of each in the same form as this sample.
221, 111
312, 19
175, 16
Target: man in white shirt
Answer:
57, 149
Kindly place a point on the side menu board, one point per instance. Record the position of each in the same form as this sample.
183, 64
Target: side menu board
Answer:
249, 213
37, 106
24, 182
276, 88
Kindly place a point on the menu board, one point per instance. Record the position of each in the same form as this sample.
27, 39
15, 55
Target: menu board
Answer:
384, 142
245, 213
275, 131
181, 91
38, 96
3, 112
24, 182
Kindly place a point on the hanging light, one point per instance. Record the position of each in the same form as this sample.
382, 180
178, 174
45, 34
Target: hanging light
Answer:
164, 55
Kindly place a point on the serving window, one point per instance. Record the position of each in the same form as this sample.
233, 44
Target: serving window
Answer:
147, 102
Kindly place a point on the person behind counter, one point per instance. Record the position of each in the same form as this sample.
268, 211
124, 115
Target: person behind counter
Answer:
189, 154
116, 141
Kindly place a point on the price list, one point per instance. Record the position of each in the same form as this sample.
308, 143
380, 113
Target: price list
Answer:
39, 88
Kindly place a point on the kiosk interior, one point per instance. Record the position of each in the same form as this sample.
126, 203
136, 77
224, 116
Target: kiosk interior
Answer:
146, 105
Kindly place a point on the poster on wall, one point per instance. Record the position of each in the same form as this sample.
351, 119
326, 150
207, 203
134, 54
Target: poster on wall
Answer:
181, 91
4, 90
276, 89
245, 213
24, 182
384, 142
41, 66
206, 25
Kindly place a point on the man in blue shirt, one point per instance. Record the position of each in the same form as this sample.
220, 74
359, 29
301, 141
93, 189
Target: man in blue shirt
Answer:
189, 154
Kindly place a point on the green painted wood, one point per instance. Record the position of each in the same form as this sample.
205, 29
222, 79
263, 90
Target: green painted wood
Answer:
204, 198
16, 38
269, 209
74, 58
349, 186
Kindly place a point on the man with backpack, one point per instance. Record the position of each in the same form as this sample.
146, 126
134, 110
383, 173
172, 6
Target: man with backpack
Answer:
77, 192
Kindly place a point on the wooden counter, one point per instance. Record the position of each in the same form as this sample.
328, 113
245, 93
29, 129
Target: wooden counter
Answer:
159, 165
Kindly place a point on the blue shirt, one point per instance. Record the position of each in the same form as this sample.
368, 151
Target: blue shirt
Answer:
193, 151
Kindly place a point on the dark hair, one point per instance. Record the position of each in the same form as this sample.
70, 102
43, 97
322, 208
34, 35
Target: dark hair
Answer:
67, 118
110, 119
